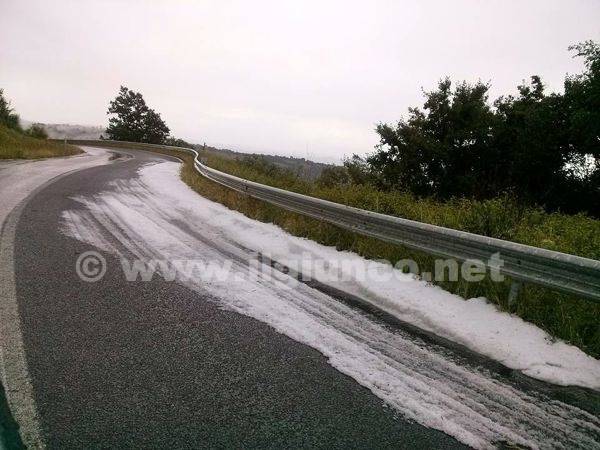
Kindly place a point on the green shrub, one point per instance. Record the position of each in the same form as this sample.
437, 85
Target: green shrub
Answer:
8, 117
37, 131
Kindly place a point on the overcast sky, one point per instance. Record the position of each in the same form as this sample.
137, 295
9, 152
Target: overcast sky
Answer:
303, 78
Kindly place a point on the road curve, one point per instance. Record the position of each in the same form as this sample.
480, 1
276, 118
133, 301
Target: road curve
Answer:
197, 363
120, 364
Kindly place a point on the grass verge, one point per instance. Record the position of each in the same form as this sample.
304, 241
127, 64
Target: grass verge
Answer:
15, 145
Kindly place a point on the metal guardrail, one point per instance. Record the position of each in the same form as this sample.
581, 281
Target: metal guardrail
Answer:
560, 271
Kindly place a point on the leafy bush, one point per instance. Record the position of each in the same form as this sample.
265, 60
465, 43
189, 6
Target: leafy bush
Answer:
176, 142
8, 117
37, 131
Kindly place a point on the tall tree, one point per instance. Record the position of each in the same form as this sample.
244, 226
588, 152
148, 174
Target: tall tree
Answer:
582, 99
582, 105
156, 130
133, 120
441, 149
530, 136
543, 149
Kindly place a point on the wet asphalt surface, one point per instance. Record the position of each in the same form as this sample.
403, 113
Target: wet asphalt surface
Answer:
116, 364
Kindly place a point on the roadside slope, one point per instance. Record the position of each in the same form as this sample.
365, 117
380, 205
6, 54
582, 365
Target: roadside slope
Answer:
15, 145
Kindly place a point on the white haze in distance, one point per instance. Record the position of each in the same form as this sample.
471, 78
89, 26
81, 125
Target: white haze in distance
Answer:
308, 78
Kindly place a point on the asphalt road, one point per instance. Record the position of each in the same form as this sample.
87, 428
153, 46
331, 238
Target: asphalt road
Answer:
116, 364
119, 364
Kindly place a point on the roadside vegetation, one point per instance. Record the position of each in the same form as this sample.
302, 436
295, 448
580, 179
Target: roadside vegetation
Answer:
569, 318
537, 147
525, 169
563, 316
17, 143
133, 121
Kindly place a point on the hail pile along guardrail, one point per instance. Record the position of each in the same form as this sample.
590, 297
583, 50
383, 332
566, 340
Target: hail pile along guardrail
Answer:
523, 263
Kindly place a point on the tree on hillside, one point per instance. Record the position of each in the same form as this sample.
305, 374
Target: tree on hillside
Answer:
441, 149
582, 100
156, 130
582, 105
8, 117
133, 120
542, 148
530, 136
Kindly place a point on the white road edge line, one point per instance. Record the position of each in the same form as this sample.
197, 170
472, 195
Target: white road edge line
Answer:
13, 362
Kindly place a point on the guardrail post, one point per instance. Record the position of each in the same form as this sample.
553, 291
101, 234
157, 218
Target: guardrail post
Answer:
515, 288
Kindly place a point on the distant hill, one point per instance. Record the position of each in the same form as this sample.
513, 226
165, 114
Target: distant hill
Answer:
300, 166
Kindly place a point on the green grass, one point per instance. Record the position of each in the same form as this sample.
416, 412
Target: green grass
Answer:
15, 145
564, 316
